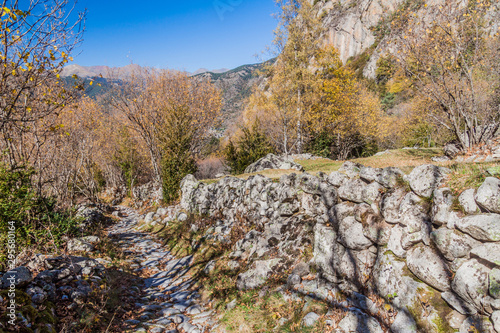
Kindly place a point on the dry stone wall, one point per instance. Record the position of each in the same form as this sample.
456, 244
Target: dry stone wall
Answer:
433, 258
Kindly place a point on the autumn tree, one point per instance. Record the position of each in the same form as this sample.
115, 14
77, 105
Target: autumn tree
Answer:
451, 54
293, 80
163, 106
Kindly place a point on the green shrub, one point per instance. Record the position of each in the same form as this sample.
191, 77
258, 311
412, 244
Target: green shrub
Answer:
250, 148
39, 222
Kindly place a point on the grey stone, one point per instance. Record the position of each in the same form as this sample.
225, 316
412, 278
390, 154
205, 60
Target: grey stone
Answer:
495, 318
357, 321
389, 177
20, 276
483, 227
428, 266
394, 243
301, 269
351, 234
494, 283
323, 255
256, 276
372, 193
272, 161
452, 243
488, 195
231, 305
390, 205
149, 217
337, 178
413, 213
370, 174
471, 282
489, 252
468, 201
293, 280
182, 217
352, 190
458, 303
310, 319
209, 267
441, 208
351, 169
477, 323
425, 179
404, 323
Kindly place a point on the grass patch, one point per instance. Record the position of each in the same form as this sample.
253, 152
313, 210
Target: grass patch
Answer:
465, 176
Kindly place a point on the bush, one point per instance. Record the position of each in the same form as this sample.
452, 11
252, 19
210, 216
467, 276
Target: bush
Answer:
250, 148
38, 221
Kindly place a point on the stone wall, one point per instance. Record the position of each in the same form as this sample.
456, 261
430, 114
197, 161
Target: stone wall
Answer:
374, 234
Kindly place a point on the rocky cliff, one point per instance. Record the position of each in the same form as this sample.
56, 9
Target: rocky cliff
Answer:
392, 250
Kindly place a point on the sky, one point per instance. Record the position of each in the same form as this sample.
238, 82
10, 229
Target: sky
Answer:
183, 35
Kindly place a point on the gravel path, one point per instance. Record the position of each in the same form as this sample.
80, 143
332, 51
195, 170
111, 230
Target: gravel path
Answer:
170, 302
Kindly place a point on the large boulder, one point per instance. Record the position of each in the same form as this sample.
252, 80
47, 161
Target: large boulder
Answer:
82, 244
488, 195
428, 266
471, 282
425, 179
351, 234
390, 205
483, 227
353, 190
272, 161
452, 243
468, 202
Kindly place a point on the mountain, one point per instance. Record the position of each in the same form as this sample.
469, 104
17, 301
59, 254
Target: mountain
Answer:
236, 86
204, 70
97, 71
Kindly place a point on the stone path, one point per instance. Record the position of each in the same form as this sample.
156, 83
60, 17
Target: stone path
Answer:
170, 302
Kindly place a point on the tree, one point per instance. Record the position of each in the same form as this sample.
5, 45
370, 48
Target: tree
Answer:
174, 116
451, 54
293, 80
36, 41
252, 146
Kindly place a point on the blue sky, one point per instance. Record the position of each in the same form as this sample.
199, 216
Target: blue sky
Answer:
183, 35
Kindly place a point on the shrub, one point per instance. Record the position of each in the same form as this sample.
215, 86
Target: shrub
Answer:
251, 147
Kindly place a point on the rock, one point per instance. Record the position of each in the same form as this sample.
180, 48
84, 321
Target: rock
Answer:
458, 303
440, 159
452, 149
453, 244
149, 217
272, 161
370, 174
351, 235
38, 296
404, 323
413, 213
390, 205
323, 255
256, 276
231, 305
477, 324
389, 177
494, 283
90, 215
489, 252
483, 227
82, 244
337, 178
374, 226
20, 276
209, 267
182, 217
394, 243
310, 319
441, 208
352, 190
468, 201
425, 179
351, 169
293, 280
428, 266
471, 282
302, 269
355, 266
357, 321
372, 193
488, 195
495, 319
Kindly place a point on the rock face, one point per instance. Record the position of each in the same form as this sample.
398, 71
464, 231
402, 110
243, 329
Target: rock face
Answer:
432, 263
272, 161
